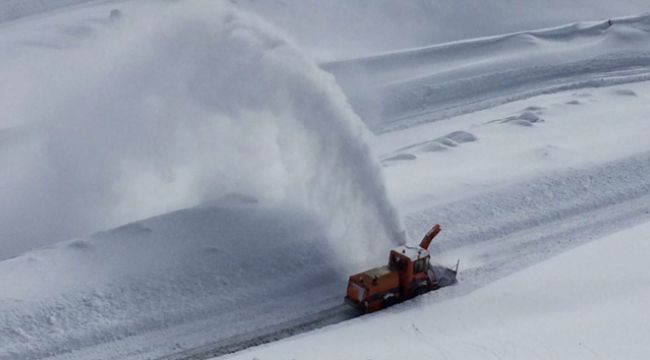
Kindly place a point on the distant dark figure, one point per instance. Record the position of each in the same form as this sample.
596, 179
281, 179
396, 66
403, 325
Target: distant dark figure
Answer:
609, 22
115, 15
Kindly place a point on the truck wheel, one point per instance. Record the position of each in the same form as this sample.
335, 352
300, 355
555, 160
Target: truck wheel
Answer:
389, 300
421, 290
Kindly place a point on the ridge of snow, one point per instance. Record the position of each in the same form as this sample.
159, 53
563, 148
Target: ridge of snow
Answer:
396, 90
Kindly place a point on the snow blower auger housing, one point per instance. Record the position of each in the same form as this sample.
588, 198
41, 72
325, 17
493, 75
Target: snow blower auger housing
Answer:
409, 273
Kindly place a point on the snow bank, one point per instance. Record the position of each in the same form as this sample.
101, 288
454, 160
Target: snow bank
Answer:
404, 88
166, 109
224, 269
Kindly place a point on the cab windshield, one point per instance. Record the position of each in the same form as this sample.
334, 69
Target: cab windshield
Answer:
421, 265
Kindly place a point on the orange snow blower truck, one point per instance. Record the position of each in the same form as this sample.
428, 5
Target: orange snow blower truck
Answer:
409, 273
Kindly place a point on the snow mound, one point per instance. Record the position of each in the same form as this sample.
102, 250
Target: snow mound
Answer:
212, 263
624, 92
526, 118
442, 143
399, 157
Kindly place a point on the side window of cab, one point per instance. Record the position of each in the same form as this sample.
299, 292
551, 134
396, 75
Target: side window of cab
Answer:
397, 262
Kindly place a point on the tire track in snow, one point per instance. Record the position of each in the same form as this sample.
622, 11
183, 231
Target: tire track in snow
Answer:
266, 335
510, 229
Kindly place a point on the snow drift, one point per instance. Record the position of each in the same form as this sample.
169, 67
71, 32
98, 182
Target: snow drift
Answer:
216, 271
179, 107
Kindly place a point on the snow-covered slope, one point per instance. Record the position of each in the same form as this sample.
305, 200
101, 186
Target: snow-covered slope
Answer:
121, 110
528, 190
16, 9
588, 303
516, 185
399, 89
224, 269
336, 29
352, 28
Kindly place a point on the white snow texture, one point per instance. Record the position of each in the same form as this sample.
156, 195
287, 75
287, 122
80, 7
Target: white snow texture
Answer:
176, 108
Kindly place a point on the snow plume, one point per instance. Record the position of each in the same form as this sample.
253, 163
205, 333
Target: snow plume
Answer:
183, 107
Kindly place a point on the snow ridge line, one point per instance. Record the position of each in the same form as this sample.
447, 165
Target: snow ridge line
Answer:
562, 32
399, 90
452, 98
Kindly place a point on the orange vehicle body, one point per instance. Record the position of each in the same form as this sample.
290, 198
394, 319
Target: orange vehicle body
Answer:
408, 273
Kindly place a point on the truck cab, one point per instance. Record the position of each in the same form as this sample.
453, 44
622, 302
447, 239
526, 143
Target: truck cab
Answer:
408, 274
412, 266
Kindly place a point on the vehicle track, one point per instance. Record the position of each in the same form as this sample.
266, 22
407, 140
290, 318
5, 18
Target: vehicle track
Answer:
267, 334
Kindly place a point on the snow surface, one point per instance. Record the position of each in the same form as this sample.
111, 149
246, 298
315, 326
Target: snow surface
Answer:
351, 28
523, 146
523, 195
205, 267
587, 303
568, 130
404, 88
172, 105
